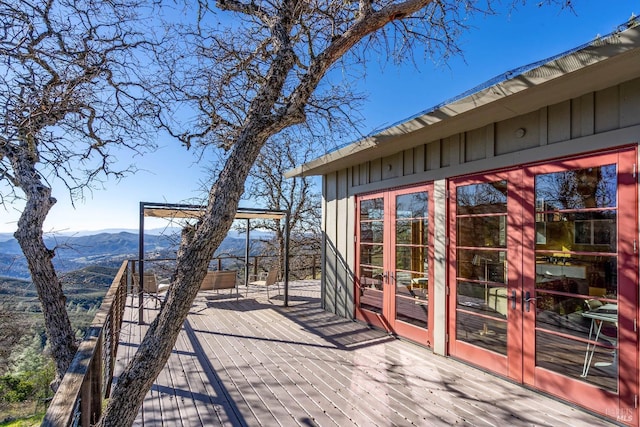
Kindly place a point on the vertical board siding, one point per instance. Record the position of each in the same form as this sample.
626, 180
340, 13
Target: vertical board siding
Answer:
375, 170
419, 159
341, 241
350, 257
607, 109
587, 114
407, 162
474, 148
630, 103
331, 206
445, 152
434, 156
490, 140
543, 126
439, 299
507, 138
559, 119
576, 118
592, 113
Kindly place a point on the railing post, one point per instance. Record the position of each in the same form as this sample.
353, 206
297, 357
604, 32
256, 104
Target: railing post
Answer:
91, 391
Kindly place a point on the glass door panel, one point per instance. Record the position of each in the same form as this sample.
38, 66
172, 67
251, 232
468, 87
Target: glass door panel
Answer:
576, 290
371, 250
481, 268
411, 259
394, 254
544, 278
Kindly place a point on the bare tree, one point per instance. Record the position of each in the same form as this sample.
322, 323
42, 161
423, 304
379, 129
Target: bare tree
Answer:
251, 74
270, 189
68, 97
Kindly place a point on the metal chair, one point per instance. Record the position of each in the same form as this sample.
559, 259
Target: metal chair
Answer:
268, 280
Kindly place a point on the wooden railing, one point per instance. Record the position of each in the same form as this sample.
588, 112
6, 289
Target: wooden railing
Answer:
300, 266
78, 400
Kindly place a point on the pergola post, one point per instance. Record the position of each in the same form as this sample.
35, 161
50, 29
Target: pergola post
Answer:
169, 210
286, 259
141, 267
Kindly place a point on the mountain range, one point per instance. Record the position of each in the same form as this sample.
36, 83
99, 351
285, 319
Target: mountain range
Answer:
102, 249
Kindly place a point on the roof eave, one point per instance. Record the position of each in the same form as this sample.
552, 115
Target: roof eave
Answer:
601, 64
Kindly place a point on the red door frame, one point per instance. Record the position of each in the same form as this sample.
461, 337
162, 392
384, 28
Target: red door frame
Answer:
519, 364
372, 318
387, 319
505, 365
587, 395
407, 330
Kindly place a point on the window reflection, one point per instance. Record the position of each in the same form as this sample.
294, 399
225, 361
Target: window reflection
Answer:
371, 254
411, 254
481, 222
576, 274
578, 189
482, 198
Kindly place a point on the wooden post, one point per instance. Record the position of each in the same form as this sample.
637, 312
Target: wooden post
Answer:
91, 390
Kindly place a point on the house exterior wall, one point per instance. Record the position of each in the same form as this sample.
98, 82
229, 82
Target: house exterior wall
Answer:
338, 249
594, 121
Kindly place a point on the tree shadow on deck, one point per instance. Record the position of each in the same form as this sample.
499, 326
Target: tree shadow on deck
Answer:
304, 309
445, 385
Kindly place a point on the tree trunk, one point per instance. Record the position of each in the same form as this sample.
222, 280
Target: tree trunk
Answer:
196, 250
39, 258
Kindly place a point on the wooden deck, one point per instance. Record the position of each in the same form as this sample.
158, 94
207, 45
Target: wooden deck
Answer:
256, 363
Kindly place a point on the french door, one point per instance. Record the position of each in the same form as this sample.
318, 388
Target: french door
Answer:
543, 278
394, 256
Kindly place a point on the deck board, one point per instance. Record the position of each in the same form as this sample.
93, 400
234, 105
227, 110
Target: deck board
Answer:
253, 362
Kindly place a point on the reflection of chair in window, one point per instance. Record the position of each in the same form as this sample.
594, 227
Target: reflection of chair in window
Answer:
604, 325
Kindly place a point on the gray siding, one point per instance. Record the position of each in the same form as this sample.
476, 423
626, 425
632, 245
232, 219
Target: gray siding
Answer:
594, 121
337, 295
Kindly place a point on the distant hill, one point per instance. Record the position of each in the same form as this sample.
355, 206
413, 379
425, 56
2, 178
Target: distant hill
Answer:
83, 288
102, 249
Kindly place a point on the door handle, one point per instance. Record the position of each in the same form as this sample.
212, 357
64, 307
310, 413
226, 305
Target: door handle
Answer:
527, 301
512, 298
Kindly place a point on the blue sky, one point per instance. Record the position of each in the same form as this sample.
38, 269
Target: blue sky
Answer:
492, 46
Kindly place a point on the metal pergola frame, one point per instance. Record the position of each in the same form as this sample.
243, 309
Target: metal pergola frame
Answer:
172, 210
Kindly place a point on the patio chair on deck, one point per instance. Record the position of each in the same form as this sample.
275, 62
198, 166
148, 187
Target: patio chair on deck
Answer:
268, 279
150, 286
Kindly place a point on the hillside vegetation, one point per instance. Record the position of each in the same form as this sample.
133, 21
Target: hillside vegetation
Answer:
25, 368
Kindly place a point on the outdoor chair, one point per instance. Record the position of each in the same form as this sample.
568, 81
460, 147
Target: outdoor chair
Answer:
220, 279
150, 286
267, 279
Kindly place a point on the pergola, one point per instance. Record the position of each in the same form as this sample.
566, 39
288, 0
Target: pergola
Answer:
185, 211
